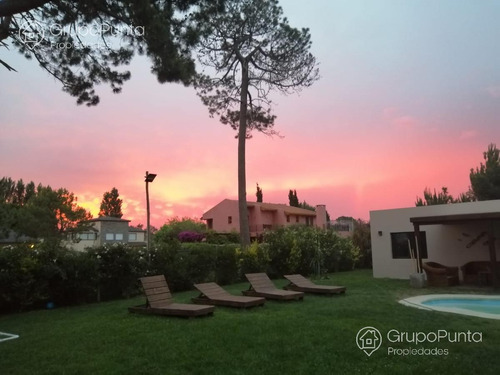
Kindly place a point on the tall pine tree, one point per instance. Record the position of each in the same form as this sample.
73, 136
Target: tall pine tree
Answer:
251, 50
111, 204
259, 194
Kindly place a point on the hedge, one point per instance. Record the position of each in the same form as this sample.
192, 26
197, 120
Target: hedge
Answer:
33, 275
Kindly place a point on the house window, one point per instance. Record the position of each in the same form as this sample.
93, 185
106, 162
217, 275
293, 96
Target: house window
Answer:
132, 236
113, 236
210, 223
296, 219
229, 219
287, 218
399, 245
86, 236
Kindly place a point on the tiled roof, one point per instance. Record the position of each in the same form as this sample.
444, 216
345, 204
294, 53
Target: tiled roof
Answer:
135, 229
109, 218
289, 210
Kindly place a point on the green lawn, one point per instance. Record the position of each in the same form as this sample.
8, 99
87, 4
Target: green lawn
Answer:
315, 336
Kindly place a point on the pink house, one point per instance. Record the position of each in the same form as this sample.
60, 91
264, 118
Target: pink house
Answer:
224, 216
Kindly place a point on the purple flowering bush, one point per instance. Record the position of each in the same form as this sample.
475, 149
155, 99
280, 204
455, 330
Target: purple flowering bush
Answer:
189, 236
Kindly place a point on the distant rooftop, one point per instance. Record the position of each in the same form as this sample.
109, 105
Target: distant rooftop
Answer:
109, 218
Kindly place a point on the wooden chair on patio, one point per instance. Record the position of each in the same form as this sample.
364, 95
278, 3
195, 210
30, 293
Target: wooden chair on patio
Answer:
440, 275
159, 301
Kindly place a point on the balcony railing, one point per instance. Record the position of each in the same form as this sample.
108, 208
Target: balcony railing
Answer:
261, 228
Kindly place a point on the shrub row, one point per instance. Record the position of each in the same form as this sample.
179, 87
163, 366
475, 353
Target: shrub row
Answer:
32, 276
306, 250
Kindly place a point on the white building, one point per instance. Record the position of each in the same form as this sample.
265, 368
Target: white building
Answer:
450, 234
107, 230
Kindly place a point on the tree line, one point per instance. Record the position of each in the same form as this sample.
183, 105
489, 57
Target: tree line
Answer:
38, 211
42, 212
248, 45
484, 183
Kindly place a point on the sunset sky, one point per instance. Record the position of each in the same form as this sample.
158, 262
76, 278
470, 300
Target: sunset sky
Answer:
409, 98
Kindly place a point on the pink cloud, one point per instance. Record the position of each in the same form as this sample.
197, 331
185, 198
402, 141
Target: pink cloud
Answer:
405, 122
494, 91
467, 134
398, 120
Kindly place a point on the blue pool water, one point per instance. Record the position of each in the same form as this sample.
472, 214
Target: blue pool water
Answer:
490, 306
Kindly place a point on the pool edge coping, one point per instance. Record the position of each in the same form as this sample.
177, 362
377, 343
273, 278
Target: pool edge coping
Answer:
416, 302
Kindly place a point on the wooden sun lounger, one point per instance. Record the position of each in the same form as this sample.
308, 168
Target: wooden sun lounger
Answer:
301, 284
262, 286
159, 301
213, 294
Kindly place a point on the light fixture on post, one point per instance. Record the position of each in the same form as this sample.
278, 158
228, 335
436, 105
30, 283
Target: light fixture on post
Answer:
149, 178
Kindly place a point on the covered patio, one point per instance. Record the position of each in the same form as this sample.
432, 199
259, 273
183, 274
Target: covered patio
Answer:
490, 221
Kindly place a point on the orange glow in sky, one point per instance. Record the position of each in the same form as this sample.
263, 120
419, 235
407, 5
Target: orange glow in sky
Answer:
409, 98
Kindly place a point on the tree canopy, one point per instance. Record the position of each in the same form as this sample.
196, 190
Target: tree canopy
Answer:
250, 50
433, 198
111, 204
259, 194
170, 231
293, 200
39, 213
485, 179
83, 43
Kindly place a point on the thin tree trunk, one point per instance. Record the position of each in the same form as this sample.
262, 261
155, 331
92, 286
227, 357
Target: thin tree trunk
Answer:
242, 181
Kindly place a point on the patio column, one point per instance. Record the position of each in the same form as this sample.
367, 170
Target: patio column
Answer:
416, 228
493, 255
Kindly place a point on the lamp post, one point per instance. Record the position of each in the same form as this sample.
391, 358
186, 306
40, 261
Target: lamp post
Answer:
149, 178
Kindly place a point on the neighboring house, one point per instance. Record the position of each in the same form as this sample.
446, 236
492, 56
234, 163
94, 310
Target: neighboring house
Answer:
9, 237
343, 227
136, 236
450, 234
107, 230
224, 217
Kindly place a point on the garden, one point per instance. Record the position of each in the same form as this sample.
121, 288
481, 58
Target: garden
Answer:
315, 336
70, 311
34, 275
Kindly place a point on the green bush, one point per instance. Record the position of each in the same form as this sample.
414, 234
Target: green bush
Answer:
280, 243
254, 259
306, 250
222, 238
189, 263
361, 238
19, 267
31, 276
168, 260
66, 276
118, 268
171, 230
292, 250
226, 264
199, 262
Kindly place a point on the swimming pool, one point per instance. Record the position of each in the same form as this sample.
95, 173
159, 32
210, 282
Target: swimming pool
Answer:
484, 306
